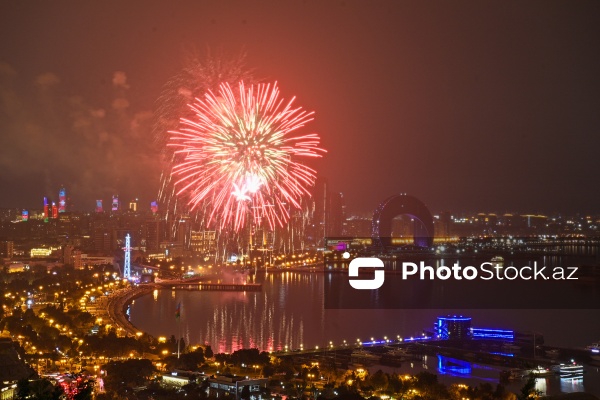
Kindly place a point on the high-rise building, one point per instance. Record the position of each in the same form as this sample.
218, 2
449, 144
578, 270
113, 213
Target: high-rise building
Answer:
99, 208
115, 203
67, 253
154, 207
443, 228
68, 224
321, 210
183, 230
46, 210
337, 215
203, 242
54, 210
62, 200
329, 217
358, 226
133, 205
153, 234
77, 259
102, 240
24, 215
6, 248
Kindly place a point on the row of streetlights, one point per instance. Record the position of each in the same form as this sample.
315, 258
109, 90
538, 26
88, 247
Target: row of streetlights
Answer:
359, 342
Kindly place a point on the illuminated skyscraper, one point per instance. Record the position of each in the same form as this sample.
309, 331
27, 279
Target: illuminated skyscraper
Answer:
154, 207
54, 210
133, 205
62, 200
46, 211
99, 208
115, 203
25, 215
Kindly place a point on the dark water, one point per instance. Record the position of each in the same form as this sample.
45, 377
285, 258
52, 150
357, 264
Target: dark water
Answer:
289, 312
451, 371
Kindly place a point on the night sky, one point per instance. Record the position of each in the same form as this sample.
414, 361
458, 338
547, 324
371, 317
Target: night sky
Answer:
468, 105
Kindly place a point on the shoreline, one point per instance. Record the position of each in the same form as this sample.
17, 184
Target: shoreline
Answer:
117, 304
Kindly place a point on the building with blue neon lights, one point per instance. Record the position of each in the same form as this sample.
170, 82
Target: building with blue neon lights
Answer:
458, 327
454, 327
500, 334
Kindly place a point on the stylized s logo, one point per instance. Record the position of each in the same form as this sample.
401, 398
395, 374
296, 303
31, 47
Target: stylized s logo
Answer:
366, 262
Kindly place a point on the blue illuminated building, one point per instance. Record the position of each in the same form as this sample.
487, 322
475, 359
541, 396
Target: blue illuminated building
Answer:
500, 334
454, 327
458, 327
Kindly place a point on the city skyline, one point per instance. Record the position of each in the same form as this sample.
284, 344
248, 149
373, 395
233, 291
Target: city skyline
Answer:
146, 205
301, 199
459, 105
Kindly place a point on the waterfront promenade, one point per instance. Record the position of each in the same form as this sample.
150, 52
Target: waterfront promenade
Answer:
111, 308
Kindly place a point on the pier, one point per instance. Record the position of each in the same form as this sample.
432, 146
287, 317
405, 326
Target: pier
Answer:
219, 287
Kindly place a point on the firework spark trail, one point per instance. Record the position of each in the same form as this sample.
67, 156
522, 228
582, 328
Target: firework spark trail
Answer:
240, 151
201, 72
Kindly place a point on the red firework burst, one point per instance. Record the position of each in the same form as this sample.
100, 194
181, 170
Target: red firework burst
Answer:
241, 155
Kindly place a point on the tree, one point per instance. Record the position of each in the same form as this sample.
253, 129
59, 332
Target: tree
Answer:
208, 353
429, 387
129, 374
396, 385
187, 361
23, 389
268, 370
379, 380
528, 390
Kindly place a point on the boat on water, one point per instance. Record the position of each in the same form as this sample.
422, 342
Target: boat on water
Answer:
363, 354
540, 371
594, 350
498, 260
572, 370
397, 352
516, 374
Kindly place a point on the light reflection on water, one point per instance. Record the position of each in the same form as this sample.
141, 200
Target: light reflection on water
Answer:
289, 312
270, 319
453, 371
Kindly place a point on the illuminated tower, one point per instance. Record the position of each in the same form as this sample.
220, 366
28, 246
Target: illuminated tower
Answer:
99, 208
46, 211
127, 264
54, 210
133, 205
115, 203
62, 200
